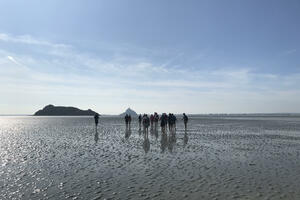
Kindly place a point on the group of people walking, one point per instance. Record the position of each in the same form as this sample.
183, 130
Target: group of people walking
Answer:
166, 121
148, 121
127, 120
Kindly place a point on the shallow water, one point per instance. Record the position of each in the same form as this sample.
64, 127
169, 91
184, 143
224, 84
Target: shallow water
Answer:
216, 158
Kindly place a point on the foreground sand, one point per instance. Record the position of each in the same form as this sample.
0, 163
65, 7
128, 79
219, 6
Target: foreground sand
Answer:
216, 158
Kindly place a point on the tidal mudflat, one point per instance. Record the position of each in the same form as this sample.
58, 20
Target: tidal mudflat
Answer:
216, 158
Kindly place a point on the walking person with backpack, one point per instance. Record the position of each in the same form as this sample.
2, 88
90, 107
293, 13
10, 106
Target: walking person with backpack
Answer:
156, 119
163, 122
129, 121
185, 120
140, 121
146, 123
126, 120
151, 121
96, 117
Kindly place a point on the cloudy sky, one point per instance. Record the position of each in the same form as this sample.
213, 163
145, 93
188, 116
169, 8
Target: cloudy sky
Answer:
176, 56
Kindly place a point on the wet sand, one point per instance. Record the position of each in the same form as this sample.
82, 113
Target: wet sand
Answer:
216, 158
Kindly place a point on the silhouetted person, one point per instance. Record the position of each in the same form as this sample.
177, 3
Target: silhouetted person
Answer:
140, 121
167, 120
146, 123
156, 119
163, 122
185, 120
126, 120
129, 121
96, 117
151, 121
172, 122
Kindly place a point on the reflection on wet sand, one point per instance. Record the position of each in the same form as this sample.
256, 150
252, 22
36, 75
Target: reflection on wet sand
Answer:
163, 141
96, 138
156, 133
223, 158
172, 141
127, 132
151, 130
146, 143
185, 138
168, 137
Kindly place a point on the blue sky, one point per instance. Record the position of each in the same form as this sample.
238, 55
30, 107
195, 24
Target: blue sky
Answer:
168, 56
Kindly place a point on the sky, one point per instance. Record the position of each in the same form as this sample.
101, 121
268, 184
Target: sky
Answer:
193, 56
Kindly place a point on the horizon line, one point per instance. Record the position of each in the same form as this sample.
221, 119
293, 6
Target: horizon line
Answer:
262, 113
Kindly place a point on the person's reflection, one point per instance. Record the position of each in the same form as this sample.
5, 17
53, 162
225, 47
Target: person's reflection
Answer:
96, 117
156, 133
163, 141
127, 132
96, 136
146, 143
151, 130
185, 138
172, 141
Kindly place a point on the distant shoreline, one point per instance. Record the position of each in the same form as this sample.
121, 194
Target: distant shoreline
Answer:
192, 115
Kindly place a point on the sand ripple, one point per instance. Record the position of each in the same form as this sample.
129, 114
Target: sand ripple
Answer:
216, 158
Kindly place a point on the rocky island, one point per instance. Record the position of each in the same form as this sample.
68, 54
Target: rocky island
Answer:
52, 110
129, 112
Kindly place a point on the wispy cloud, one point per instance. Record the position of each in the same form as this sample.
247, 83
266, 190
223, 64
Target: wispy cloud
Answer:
290, 51
27, 39
13, 60
67, 75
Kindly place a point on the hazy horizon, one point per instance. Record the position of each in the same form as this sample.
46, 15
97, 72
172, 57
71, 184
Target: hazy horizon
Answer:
141, 112
165, 56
